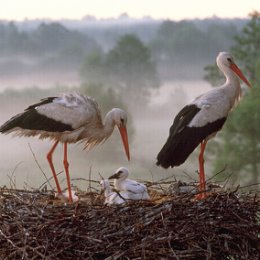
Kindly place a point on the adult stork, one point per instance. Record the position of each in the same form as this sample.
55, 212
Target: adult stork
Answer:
200, 120
68, 118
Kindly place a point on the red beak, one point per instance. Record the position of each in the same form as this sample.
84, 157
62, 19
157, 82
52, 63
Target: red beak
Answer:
124, 136
239, 73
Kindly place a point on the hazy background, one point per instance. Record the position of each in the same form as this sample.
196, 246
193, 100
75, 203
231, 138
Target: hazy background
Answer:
42, 54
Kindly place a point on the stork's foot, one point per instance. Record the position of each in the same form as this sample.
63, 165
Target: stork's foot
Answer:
201, 196
64, 196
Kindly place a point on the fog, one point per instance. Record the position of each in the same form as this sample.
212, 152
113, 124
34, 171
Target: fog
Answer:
51, 56
18, 164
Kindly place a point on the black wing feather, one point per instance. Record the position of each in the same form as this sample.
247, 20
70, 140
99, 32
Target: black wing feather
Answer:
42, 102
30, 119
183, 140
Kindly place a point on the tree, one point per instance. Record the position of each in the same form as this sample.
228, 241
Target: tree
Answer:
128, 66
240, 139
185, 46
247, 48
213, 75
93, 68
178, 41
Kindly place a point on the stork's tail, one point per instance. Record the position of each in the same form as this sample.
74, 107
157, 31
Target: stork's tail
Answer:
177, 149
169, 156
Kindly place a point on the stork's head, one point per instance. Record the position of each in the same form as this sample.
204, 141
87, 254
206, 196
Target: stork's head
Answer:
119, 117
121, 173
225, 62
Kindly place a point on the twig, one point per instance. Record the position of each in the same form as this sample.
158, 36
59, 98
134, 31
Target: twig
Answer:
36, 161
89, 179
12, 183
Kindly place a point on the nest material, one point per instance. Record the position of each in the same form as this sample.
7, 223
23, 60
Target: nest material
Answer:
33, 225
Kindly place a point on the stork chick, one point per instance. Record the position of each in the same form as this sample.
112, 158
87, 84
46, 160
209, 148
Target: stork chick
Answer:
135, 190
112, 197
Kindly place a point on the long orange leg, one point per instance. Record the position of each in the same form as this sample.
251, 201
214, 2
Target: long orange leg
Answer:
202, 186
49, 158
66, 167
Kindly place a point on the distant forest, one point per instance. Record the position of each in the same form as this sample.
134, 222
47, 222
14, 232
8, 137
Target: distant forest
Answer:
175, 47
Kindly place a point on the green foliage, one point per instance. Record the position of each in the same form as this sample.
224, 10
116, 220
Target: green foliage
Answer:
247, 47
178, 45
46, 47
128, 67
93, 68
239, 147
213, 75
240, 139
130, 64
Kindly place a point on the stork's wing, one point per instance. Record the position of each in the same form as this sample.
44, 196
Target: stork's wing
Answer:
183, 138
135, 187
57, 114
174, 152
42, 102
183, 118
73, 109
30, 119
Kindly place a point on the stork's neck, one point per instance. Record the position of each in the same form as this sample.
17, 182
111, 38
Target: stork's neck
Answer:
231, 78
232, 85
109, 124
117, 184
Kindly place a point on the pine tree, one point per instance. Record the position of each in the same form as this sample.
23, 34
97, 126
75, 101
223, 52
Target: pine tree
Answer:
239, 147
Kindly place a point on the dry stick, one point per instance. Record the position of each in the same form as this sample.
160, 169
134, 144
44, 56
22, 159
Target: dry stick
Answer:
102, 178
168, 178
250, 185
8, 240
12, 182
128, 254
89, 179
48, 181
151, 173
190, 177
227, 179
35, 159
216, 174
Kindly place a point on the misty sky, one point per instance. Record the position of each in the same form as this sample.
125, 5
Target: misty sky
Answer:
172, 9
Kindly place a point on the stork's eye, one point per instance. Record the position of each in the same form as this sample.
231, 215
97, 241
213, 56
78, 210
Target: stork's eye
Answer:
229, 59
122, 120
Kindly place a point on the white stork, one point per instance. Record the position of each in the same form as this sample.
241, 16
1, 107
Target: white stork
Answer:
112, 197
68, 118
135, 190
200, 120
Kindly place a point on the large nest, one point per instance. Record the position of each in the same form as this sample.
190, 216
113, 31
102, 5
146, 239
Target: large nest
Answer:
34, 225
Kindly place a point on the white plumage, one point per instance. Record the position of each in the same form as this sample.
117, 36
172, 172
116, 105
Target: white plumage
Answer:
134, 189
200, 120
112, 197
218, 102
68, 118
